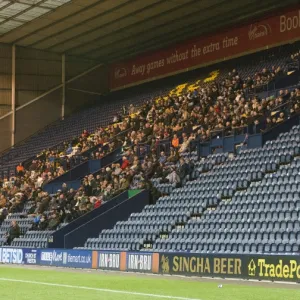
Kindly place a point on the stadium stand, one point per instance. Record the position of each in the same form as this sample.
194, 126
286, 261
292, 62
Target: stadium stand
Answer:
57, 135
249, 203
153, 158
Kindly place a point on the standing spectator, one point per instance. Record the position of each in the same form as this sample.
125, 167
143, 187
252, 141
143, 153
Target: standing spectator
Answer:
183, 169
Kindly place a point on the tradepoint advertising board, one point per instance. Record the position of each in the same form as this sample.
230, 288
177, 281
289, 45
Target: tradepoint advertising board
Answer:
273, 267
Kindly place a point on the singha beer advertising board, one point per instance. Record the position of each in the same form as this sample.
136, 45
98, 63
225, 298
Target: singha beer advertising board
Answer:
260, 267
201, 265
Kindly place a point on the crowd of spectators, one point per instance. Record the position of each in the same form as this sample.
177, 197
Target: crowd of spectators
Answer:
267, 76
295, 56
293, 63
153, 139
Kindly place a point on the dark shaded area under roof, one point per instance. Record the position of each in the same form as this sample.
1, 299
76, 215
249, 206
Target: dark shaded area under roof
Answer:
111, 30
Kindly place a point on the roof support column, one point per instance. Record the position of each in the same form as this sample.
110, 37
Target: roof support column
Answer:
63, 81
13, 94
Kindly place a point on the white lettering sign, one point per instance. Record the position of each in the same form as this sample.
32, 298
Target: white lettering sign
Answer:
139, 262
11, 256
109, 260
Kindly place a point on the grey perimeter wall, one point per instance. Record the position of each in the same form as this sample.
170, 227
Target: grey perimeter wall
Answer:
37, 72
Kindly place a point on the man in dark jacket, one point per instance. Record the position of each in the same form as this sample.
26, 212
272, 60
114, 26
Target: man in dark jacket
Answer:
14, 232
183, 169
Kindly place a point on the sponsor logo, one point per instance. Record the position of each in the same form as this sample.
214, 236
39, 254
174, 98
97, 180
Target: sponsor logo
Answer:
11, 256
165, 265
51, 257
139, 262
78, 259
258, 31
65, 258
186, 264
30, 258
109, 260
120, 73
286, 269
251, 268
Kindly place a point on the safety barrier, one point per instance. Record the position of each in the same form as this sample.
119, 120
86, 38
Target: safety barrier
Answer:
273, 267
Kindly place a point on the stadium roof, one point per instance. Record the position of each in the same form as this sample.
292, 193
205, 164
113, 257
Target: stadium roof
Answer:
109, 30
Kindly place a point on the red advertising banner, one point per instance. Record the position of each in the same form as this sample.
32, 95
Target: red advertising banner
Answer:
277, 29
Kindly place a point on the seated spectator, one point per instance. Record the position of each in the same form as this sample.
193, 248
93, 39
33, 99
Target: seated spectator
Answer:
69, 150
116, 169
175, 141
3, 214
36, 221
85, 133
20, 170
162, 159
14, 232
43, 223
280, 118
173, 177
174, 156
97, 203
184, 146
3, 201
125, 163
53, 221
116, 118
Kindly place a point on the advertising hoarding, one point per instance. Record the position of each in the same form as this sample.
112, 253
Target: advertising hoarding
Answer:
277, 267
282, 27
66, 258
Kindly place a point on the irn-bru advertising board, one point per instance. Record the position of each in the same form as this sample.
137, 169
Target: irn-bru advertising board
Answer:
280, 28
259, 267
126, 261
143, 262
